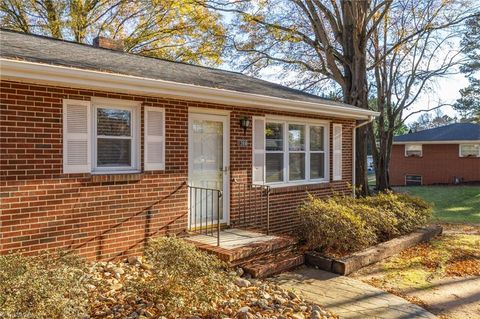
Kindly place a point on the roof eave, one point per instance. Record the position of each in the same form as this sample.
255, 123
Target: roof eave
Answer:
20, 70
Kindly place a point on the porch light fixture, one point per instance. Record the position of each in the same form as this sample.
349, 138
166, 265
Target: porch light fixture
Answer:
245, 124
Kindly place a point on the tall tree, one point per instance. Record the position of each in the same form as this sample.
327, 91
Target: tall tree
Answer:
381, 49
180, 30
469, 104
412, 47
313, 39
428, 121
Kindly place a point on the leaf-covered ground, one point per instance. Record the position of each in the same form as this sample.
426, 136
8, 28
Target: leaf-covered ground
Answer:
442, 276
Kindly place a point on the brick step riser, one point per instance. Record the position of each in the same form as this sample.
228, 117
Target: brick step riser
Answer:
253, 258
250, 253
276, 267
262, 250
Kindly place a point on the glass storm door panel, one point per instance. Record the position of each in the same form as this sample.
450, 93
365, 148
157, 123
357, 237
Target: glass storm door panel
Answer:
207, 166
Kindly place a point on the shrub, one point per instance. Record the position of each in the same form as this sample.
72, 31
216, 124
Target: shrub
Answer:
383, 222
184, 279
410, 212
329, 226
43, 286
342, 224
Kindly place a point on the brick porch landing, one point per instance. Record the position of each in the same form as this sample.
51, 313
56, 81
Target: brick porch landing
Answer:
240, 247
233, 238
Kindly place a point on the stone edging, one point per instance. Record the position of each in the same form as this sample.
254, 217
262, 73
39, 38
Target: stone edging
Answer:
353, 262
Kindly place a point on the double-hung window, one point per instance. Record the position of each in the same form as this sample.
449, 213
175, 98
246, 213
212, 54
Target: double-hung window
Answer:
318, 160
467, 150
295, 152
115, 134
103, 136
274, 152
413, 150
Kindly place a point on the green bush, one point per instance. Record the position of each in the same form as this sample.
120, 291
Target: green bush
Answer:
43, 286
329, 226
410, 212
341, 224
383, 222
184, 279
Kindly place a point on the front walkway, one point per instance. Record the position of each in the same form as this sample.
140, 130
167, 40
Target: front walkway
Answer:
348, 297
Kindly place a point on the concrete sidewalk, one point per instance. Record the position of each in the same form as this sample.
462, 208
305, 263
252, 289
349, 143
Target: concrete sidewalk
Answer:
347, 297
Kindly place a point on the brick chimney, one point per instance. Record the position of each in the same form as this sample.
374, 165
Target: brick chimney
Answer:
107, 43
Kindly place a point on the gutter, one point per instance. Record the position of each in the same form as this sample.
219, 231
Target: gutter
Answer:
354, 159
42, 73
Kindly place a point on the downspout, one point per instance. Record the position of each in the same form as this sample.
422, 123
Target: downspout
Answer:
370, 120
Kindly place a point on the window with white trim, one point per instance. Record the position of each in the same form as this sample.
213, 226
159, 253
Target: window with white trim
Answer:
295, 152
467, 150
115, 133
103, 136
413, 150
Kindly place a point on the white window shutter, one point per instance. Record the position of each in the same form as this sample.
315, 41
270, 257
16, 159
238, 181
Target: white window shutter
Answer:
76, 136
258, 150
154, 145
337, 152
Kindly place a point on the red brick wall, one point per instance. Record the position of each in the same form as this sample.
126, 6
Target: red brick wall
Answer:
103, 217
439, 164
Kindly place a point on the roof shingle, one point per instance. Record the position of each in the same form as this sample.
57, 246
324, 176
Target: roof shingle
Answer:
452, 132
41, 49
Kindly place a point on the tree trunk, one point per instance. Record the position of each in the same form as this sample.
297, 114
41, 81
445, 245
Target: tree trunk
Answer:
383, 178
361, 178
355, 82
356, 94
382, 156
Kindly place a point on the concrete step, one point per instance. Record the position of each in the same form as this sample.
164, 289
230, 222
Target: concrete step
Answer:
273, 264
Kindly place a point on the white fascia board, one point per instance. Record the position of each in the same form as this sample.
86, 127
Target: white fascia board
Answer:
437, 142
73, 77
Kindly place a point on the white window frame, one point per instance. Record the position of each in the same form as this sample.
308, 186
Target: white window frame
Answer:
414, 144
285, 144
305, 151
464, 144
134, 108
286, 152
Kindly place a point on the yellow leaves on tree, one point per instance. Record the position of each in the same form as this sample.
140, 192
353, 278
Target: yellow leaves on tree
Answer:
180, 30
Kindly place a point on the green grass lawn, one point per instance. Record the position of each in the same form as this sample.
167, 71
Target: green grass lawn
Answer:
456, 204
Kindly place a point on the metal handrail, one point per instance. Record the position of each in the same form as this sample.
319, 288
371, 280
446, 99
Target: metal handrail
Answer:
198, 200
253, 206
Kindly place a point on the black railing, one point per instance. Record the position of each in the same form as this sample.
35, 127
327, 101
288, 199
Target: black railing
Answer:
252, 206
205, 208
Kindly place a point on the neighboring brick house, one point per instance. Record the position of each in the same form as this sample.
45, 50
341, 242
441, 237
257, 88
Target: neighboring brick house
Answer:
101, 149
444, 155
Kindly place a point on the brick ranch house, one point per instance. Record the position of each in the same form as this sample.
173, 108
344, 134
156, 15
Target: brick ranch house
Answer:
442, 155
101, 149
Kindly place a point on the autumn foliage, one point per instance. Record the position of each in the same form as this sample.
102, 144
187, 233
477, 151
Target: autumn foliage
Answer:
341, 225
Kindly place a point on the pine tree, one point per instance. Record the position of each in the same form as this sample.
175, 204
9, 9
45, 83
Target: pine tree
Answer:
469, 104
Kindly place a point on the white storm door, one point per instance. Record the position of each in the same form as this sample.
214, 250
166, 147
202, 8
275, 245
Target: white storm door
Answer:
208, 161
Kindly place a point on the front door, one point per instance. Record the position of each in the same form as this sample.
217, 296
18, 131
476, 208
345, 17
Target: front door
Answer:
208, 167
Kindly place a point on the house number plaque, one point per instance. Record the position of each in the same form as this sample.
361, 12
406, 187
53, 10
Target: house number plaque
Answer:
242, 143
